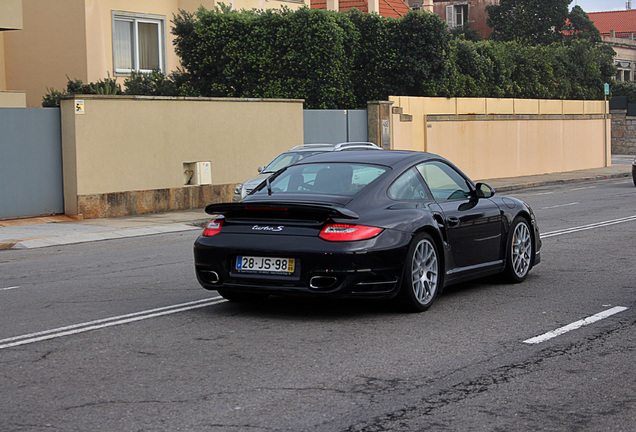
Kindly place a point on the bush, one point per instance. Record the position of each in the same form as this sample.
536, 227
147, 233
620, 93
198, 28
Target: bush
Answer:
154, 83
107, 86
332, 60
620, 88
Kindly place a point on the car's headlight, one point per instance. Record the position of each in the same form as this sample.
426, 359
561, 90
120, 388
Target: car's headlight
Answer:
237, 189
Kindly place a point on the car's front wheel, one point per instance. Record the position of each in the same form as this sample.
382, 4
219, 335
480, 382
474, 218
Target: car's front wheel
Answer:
423, 276
519, 250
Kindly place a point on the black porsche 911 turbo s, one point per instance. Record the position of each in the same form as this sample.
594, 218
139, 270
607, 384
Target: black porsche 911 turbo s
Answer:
386, 224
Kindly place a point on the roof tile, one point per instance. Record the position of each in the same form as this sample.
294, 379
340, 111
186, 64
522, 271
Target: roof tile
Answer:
622, 22
388, 8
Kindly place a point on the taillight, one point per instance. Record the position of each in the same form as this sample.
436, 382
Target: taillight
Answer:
213, 227
344, 232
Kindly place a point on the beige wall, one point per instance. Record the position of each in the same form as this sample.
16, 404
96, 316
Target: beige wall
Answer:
493, 138
3, 72
74, 38
10, 19
12, 99
99, 34
125, 144
50, 46
10, 14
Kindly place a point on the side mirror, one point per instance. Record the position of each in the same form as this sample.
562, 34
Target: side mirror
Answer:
484, 191
261, 168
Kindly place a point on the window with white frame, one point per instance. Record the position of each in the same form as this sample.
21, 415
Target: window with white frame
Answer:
624, 70
456, 15
138, 42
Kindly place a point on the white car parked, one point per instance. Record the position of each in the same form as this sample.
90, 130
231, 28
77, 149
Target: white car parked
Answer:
292, 156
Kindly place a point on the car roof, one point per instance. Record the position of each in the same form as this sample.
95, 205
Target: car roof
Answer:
311, 147
353, 145
385, 157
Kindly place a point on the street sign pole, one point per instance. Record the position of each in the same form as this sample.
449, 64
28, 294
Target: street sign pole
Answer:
606, 90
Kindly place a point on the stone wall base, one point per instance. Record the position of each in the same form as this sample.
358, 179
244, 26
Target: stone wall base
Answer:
623, 133
152, 201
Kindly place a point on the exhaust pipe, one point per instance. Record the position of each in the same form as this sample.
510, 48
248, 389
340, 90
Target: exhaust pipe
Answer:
209, 276
322, 282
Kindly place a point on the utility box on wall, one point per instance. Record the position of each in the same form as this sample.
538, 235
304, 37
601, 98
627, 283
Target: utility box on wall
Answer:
197, 173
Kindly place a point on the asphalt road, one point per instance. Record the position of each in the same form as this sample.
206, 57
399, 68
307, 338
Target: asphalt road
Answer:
117, 336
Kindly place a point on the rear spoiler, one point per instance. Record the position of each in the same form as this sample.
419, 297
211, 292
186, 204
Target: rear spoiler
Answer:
280, 207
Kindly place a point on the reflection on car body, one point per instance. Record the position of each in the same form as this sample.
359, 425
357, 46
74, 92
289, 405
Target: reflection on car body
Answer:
390, 224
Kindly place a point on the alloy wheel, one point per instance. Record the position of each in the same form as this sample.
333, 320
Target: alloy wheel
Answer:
521, 250
424, 272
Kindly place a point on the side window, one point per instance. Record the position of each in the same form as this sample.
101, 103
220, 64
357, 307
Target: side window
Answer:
444, 182
408, 187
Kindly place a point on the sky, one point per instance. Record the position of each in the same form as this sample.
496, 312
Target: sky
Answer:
601, 5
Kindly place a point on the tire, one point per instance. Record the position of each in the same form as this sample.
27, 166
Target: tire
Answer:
519, 251
422, 278
241, 297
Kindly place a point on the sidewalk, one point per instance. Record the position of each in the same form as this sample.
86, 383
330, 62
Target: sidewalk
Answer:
45, 231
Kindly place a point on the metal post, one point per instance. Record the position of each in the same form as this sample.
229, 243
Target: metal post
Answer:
605, 128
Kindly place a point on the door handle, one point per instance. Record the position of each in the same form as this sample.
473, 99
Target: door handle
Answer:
453, 221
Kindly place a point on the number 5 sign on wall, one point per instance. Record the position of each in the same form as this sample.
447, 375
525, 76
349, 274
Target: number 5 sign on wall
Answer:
79, 107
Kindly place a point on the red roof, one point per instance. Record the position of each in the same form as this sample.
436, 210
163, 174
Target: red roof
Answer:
388, 8
622, 22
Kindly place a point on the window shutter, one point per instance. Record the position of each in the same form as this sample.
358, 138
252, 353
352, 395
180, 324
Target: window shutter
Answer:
450, 16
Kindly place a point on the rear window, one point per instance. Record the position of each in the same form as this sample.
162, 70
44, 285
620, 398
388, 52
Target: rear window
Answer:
324, 178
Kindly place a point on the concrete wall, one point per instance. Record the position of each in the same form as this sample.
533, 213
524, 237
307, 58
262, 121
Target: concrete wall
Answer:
126, 155
493, 138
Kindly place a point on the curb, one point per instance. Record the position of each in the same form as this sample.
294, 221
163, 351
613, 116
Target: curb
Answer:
529, 185
4, 245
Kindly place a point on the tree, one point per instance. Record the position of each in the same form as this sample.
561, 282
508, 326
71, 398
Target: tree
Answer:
580, 26
533, 21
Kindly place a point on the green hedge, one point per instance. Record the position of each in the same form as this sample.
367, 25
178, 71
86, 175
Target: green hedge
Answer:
343, 60
620, 88
330, 59
512, 69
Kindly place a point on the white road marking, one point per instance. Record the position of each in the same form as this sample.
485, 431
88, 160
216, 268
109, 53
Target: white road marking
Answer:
588, 227
106, 322
560, 205
584, 188
9, 288
575, 325
540, 193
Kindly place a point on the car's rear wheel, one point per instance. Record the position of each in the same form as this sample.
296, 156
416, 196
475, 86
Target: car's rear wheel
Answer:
241, 297
519, 251
423, 276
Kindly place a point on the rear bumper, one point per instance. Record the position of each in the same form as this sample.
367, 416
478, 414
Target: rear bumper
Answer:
371, 268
